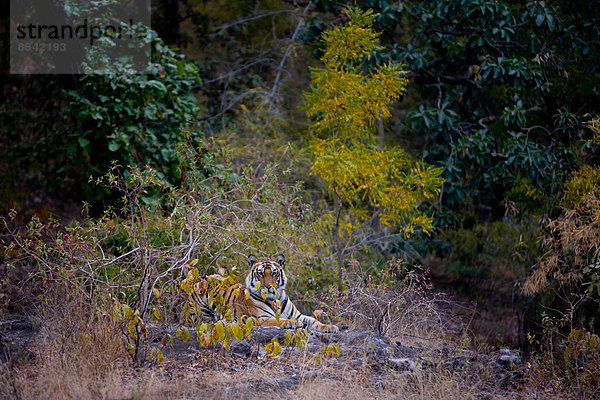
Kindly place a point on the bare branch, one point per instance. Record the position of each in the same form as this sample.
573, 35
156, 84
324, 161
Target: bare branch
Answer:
286, 54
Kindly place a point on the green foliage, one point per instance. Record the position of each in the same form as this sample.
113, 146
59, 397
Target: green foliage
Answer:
522, 134
345, 103
501, 93
388, 180
499, 252
135, 119
584, 182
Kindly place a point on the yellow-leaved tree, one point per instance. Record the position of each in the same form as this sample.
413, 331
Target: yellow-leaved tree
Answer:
346, 101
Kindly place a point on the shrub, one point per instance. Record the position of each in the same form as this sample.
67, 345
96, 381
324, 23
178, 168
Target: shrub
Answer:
567, 276
573, 366
566, 286
134, 258
134, 119
395, 300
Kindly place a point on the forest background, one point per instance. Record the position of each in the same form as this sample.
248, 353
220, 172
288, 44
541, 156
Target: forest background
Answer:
214, 153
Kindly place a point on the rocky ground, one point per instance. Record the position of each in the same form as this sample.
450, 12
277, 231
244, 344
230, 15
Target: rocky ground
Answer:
368, 365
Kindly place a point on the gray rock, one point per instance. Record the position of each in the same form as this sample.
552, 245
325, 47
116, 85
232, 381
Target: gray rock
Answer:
242, 349
508, 358
403, 364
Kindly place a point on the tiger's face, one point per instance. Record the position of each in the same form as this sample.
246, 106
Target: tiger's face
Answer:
270, 274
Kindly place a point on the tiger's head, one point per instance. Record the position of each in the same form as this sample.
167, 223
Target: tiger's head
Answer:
269, 273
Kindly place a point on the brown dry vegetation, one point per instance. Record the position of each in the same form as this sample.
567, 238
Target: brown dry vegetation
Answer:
76, 355
84, 373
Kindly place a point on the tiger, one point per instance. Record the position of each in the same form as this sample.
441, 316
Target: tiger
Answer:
263, 297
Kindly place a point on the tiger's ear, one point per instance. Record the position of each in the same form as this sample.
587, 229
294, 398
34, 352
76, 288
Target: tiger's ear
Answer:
251, 259
280, 260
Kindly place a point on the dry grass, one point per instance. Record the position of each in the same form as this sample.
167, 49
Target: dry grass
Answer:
83, 371
82, 356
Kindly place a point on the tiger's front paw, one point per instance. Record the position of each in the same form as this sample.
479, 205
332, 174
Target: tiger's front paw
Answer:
325, 328
293, 324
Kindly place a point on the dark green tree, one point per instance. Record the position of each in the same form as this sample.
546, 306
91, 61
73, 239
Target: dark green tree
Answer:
500, 96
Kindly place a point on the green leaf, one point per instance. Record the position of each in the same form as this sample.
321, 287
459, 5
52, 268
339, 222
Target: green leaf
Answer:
113, 145
127, 311
288, 337
539, 20
131, 329
183, 334
157, 85
220, 330
83, 142
159, 355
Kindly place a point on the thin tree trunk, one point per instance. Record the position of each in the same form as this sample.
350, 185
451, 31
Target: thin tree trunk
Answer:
380, 133
337, 239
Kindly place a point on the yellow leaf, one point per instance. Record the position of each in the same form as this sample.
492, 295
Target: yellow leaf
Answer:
127, 311
336, 350
131, 329
205, 340
220, 330
183, 334
276, 348
273, 348
288, 337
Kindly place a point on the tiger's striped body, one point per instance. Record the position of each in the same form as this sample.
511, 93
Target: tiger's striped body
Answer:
263, 298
